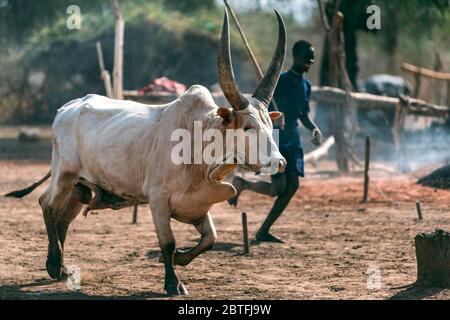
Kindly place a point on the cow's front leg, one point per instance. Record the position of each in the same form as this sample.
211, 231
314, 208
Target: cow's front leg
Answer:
206, 228
161, 219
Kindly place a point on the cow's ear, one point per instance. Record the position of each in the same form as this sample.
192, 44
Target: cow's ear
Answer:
226, 114
275, 115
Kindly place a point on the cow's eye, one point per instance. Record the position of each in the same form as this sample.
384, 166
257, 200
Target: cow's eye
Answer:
247, 128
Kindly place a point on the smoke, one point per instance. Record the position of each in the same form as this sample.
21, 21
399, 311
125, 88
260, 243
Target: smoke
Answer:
427, 146
424, 142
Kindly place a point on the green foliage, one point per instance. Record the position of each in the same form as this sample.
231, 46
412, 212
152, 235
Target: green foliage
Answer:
191, 5
418, 17
158, 42
20, 18
411, 27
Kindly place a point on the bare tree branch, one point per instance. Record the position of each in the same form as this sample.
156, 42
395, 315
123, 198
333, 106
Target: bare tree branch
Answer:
323, 16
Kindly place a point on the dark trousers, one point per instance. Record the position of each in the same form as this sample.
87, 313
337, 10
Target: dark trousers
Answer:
282, 185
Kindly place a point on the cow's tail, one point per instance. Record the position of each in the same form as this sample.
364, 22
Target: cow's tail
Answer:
23, 192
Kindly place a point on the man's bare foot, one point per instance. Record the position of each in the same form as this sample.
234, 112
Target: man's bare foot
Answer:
268, 237
238, 183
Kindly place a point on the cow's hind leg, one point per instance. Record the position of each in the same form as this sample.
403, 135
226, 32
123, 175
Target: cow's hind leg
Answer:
57, 206
161, 219
208, 237
63, 220
66, 217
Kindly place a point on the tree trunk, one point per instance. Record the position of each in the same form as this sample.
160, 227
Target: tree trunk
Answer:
433, 258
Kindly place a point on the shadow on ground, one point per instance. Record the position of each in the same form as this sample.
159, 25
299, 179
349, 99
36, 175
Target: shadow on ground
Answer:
220, 246
16, 291
415, 292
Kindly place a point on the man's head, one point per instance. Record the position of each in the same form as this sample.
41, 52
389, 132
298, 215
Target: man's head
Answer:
303, 54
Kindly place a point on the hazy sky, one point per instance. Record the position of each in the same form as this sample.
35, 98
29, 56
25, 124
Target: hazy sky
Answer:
302, 9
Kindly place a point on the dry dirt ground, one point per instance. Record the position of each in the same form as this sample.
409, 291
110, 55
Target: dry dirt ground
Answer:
334, 245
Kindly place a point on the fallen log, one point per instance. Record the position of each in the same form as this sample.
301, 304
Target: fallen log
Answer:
321, 151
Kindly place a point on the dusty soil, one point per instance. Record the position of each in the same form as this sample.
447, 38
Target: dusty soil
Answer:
333, 245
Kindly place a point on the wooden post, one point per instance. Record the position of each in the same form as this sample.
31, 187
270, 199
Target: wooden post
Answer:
135, 212
245, 232
419, 210
397, 133
448, 93
433, 260
366, 171
340, 119
101, 61
418, 82
118, 52
103, 72
119, 34
438, 85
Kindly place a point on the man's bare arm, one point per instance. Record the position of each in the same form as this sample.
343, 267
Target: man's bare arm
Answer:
311, 126
307, 122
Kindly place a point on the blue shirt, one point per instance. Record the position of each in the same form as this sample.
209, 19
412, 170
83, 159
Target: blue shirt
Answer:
292, 96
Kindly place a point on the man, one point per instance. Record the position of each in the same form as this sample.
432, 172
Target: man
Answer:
292, 97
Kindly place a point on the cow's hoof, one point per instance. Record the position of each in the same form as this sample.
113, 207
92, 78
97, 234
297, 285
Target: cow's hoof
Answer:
65, 273
55, 271
176, 290
182, 289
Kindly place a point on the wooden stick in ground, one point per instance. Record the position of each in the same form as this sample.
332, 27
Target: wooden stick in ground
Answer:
135, 212
366, 171
103, 72
419, 210
245, 232
118, 52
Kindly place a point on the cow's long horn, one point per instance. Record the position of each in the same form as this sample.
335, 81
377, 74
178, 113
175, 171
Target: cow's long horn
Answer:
226, 75
265, 89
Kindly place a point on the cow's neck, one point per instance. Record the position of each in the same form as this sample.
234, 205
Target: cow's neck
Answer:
216, 172
206, 185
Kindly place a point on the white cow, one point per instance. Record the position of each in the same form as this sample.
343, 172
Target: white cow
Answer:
121, 151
